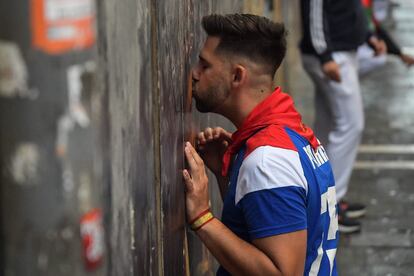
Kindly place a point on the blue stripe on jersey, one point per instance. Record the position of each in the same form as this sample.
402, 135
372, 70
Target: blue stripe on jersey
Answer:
274, 211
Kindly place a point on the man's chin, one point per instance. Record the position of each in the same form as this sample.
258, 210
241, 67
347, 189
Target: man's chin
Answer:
202, 108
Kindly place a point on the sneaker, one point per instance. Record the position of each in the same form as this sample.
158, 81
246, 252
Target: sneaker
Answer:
352, 210
348, 225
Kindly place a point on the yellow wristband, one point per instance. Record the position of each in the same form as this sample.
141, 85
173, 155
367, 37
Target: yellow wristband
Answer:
202, 221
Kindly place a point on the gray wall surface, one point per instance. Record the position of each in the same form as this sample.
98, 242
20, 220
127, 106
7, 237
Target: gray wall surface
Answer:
146, 50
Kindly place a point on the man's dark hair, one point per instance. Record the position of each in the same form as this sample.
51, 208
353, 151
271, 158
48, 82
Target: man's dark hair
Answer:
254, 37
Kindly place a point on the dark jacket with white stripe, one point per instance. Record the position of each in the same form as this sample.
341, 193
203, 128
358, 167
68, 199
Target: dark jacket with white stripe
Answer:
332, 25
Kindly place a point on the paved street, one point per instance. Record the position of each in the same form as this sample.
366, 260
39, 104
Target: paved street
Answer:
384, 175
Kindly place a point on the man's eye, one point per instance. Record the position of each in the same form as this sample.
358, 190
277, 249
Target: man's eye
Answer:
203, 65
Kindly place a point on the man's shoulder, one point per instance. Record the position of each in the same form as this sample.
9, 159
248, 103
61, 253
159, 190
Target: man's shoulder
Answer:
274, 136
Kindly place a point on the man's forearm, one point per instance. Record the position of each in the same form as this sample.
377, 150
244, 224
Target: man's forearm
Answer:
234, 254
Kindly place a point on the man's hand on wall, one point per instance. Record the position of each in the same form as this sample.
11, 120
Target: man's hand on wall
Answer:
196, 183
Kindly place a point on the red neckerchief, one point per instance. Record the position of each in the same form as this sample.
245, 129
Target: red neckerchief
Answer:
276, 109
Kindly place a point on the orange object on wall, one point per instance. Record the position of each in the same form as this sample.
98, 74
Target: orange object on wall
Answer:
92, 234
59, 26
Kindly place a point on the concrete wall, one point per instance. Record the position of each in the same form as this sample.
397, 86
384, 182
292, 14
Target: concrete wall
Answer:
146, 50
141, 110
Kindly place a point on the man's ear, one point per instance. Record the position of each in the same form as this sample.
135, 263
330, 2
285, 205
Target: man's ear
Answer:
239, 75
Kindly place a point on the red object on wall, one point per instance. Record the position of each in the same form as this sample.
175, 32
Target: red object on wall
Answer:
92, 238
59, 26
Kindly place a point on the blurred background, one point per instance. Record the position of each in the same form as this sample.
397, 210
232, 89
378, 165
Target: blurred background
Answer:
94, 110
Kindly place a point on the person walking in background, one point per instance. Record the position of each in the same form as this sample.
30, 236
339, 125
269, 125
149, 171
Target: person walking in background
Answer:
367, 59
332, 32
279, 206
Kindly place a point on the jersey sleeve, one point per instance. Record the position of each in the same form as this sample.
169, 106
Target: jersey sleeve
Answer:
271, 192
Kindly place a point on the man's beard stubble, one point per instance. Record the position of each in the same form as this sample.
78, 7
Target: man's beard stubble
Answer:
212, 98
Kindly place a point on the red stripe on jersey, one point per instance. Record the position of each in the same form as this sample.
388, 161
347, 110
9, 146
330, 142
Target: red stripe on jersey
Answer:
273, 135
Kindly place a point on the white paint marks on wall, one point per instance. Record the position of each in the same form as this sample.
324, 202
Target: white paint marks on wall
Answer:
76, 113
76, 109
25, 164
13, 72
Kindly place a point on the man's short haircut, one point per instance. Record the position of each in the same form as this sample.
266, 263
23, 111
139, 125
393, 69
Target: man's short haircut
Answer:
254, 37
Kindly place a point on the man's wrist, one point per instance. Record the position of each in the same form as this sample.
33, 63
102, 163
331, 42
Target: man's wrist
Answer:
202, 219
325, 57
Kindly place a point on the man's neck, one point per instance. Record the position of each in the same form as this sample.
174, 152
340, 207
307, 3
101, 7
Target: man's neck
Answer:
246, 102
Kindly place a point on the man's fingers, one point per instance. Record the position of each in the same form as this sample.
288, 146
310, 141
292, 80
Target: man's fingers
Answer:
194, 160
187, 180
194, 154
336, 76
383, 47
408, 60
333, 75
187, 176
201, 138
217, 132
190, 157
211, 135
331, 70
220, 133
379, 45
208, 133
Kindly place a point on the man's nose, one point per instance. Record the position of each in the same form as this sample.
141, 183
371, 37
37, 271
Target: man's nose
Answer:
195, 74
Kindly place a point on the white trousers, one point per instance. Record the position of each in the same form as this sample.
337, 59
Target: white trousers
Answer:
368, 61
339, 115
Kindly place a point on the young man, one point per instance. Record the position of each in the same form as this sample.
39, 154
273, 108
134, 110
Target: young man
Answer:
332, 32
279, 215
